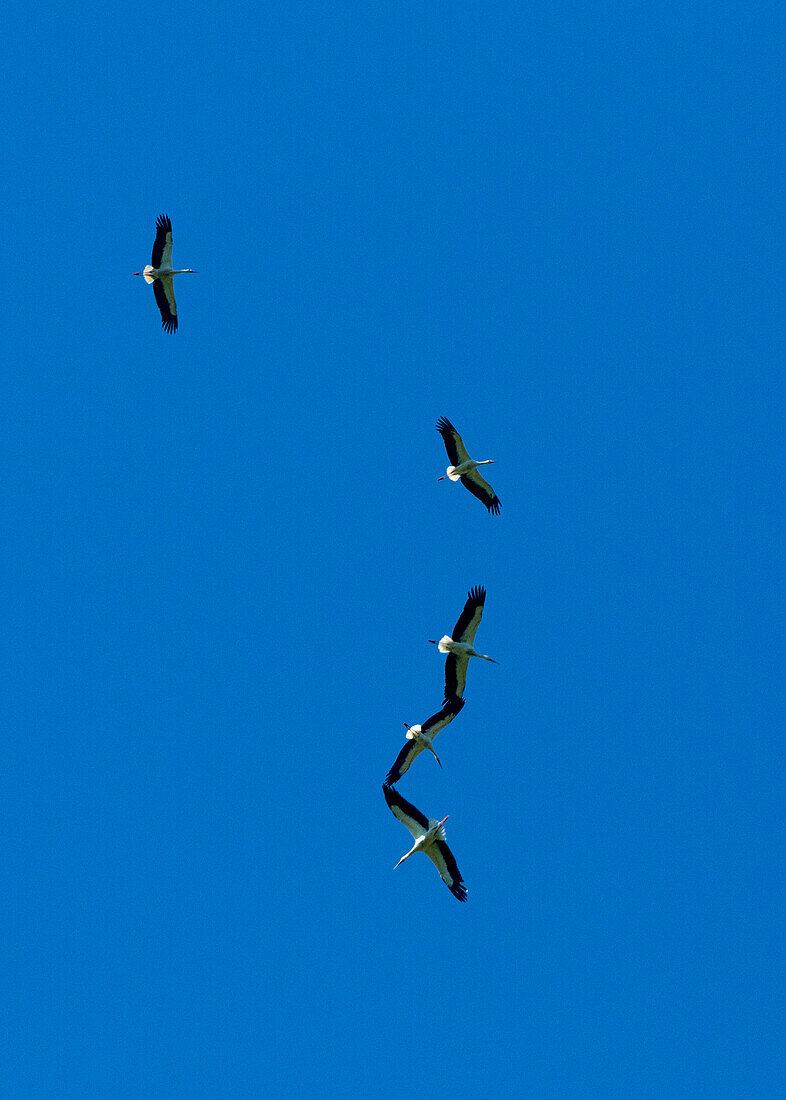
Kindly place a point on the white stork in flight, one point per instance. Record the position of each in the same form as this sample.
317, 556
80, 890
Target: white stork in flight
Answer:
459, 647
421, 737
465, 469
159, 272
429, 838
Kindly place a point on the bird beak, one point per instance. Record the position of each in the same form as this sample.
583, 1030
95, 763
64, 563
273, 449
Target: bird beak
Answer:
437, 758
400, 862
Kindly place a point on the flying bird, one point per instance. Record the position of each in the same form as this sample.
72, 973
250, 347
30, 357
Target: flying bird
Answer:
429, 838
421, 737
459, 647
159, 272
465, 469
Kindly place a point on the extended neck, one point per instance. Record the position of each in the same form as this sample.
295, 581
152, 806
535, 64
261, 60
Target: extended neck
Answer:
412, 850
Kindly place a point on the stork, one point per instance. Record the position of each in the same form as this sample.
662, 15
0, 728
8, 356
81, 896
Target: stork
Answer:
465, 469
160, 271
459, 647
421, 737
429, 838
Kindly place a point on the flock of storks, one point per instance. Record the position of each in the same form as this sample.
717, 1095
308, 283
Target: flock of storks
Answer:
428, 834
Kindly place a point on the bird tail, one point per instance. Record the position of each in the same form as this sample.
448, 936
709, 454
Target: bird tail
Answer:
440, 833
451, 472
146, 274
442, 644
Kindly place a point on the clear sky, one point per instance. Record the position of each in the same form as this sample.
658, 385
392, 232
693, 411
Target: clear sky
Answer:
561, 226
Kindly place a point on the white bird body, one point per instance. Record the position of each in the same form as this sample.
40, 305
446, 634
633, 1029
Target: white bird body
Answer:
150, 273
429, 837
455, 473
160, 273
465, 469
435, 831
459, 647
420, 738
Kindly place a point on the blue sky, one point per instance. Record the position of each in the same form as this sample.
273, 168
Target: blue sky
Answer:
560, 227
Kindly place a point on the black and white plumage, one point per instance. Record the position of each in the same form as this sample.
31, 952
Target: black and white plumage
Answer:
465, 469
429, 837
458, 646
421, 737
160, 273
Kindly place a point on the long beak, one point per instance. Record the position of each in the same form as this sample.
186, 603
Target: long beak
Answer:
402, 860
436, 757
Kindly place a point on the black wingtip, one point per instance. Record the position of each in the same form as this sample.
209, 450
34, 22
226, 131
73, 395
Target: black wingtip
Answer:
443, 425
477, 594
163, 223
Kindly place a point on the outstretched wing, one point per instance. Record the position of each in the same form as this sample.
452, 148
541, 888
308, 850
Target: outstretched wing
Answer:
402, 763
454, 445
165, 297
481, 489
437, 722
455, 677
162, 248
445, 862
414, 820
469, 619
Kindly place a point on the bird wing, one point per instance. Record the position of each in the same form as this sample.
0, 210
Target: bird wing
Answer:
414, 820
162, 246
469, 619
455, 676
444, 860
437, 722
454, 445
481, 489
165, 297
402, 763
